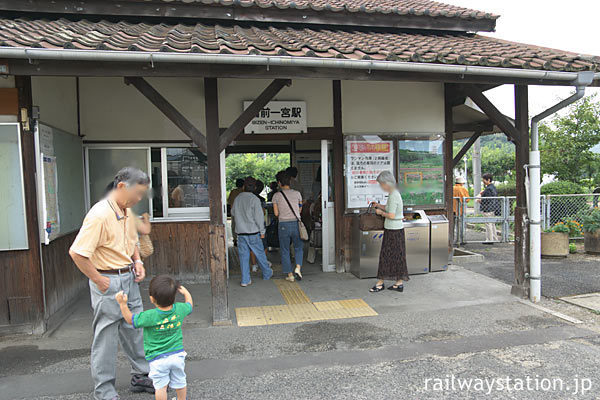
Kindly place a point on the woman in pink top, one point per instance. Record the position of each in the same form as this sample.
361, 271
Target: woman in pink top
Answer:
287, 204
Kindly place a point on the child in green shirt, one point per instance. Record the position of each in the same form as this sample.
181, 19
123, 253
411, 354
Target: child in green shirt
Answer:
163, 340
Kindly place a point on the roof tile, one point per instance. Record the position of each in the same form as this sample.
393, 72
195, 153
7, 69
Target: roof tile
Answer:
397, 45
400, 7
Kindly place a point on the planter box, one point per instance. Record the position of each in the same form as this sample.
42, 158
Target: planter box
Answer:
591, 242
555, 244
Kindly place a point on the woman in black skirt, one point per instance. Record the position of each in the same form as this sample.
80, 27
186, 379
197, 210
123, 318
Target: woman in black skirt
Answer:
392, 259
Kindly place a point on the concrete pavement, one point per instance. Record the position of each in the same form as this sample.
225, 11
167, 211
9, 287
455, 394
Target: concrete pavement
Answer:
455, 323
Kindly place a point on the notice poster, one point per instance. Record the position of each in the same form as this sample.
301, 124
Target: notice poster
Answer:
50, 182
366, 158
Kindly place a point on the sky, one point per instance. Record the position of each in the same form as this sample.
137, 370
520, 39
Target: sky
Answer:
567, 25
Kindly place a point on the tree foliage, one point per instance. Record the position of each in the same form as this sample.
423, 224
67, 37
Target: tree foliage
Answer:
262, 166
566, 144
497, 156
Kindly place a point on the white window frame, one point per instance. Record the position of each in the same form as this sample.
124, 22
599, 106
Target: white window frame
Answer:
169, 214
177, 213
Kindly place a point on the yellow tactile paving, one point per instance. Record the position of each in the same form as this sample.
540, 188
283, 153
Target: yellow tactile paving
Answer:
290, 313
250, 316
291, 292
299, 308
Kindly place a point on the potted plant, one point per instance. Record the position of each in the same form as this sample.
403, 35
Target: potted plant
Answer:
555, 241
591, 229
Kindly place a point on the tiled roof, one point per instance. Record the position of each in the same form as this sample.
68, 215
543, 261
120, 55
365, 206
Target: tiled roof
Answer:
443, 48
401, 7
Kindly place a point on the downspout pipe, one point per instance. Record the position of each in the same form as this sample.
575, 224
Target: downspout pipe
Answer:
583, 80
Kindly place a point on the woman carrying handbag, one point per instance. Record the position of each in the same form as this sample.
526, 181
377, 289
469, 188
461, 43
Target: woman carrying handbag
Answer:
392, 259
287, 205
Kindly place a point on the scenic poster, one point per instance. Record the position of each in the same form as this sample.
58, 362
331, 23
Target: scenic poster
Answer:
421, 172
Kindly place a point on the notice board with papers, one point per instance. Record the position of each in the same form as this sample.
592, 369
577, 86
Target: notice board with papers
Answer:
61, 190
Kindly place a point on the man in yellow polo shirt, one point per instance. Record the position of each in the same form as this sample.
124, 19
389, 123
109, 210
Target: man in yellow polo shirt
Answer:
106, 251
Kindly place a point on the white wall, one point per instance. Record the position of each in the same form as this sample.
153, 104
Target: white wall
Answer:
392, 107
110, 110
57, 99
318, 95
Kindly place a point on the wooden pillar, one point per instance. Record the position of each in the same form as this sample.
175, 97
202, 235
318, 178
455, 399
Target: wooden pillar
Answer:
448, 162
521, 285
217, 245
338, 177
29, 275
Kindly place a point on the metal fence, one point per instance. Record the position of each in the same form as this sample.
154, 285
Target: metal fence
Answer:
470, 221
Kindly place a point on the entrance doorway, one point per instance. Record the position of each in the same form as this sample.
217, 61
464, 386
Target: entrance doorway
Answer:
313, 159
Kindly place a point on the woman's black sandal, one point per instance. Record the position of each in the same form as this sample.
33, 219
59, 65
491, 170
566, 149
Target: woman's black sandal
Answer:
376, 289
397, 288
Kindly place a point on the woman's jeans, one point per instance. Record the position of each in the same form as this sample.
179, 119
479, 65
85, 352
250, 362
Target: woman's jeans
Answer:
290, 233
247, 243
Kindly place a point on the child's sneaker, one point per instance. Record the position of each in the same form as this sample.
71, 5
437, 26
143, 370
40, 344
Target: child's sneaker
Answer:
255, 268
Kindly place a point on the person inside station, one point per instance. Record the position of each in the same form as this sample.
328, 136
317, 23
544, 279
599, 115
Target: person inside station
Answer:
274, 188
287, 206
294, 184
239, 188
257, 192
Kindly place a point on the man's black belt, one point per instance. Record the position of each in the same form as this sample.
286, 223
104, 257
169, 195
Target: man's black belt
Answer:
248, 234
128, 268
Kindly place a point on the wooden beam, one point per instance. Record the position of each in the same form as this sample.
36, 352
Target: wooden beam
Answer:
217, 244
521, 285
168, 110
338, 177
318, 133
259, 148
465, 148
195, 10
249, 113
180, 70
492, 112
483, 127
449, 93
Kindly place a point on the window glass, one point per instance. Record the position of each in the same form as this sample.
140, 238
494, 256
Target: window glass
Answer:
187, 178
103, 165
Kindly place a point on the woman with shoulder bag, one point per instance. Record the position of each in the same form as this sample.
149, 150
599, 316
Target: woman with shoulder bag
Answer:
287, 205
392, 258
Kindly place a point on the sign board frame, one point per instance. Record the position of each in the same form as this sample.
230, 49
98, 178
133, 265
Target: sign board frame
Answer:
283, 117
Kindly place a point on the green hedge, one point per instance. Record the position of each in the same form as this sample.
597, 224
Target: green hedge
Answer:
562, 187
507, 189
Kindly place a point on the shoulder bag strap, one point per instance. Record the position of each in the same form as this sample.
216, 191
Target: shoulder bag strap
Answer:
291, 208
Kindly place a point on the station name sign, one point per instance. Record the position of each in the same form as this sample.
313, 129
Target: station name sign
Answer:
278, 117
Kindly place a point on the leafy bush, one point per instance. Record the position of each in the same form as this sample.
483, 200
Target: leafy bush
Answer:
562, 187
591, 221
507, 189
572, 248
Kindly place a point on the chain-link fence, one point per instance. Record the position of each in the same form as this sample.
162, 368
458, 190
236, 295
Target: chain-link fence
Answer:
491, 219
569, 209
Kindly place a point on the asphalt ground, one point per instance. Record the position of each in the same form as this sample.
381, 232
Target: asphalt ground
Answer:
577, 274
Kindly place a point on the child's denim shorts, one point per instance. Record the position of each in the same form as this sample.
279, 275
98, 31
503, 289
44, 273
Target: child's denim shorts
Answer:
169, 370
